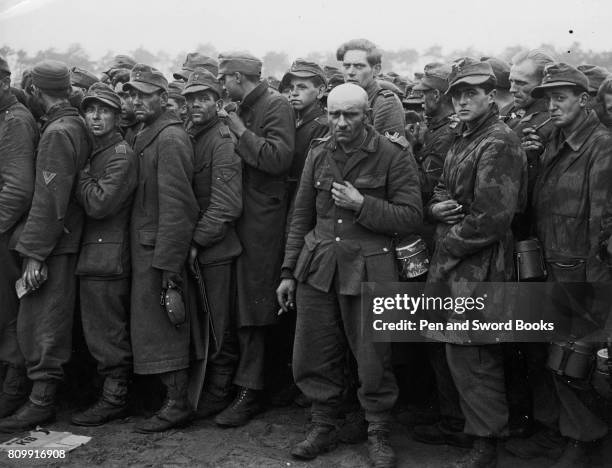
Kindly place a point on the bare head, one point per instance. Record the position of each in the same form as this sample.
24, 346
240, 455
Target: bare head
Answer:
347, 107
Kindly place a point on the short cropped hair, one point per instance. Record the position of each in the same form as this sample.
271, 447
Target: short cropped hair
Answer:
373, 53
539, 57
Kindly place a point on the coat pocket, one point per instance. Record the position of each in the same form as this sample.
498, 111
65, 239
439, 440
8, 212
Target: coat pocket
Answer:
147, 238
371, 184
102, 254
304, 261
567, 271
380, 264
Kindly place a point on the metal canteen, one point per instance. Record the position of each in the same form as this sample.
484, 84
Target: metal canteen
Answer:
601, 379
175, 307
572, 359
529, 260
412, 259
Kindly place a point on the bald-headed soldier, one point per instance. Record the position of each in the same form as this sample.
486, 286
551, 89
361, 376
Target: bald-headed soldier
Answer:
341, 234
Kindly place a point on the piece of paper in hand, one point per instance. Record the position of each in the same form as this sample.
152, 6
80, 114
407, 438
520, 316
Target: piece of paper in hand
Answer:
44, 439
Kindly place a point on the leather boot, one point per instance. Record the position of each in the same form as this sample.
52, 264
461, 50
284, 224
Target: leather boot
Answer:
320, 439
14, 390
544, 443
111, 405
380, 450
38, 409
575, 455
217, 393
176, 411
482, 455
241, 410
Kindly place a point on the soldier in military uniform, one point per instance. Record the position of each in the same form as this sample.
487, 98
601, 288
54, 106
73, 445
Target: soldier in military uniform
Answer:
604, 103
361, 63
265, 129
80, 80
105, 190
357, 191
217, 185
501, 70
176, 100
49, 243
161, 226
474, 203
18, 140
569, 201
196, 60
596, 76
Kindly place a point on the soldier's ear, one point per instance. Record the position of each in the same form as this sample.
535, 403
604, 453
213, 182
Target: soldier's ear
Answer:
321, 91
584, 99
377, 69
5, 82
164, 98
238, 76
492, 95
219, 104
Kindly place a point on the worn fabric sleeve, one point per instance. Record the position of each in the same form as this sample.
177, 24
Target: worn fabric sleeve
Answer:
388, 115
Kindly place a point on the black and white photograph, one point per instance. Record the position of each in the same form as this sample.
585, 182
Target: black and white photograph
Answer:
306, 234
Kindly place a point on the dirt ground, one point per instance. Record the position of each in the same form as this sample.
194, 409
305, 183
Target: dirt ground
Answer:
264, 442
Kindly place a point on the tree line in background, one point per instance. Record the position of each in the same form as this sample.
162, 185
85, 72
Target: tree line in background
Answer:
404, 61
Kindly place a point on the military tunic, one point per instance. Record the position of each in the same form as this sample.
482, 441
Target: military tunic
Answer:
18, 140
105, 190
387, 114
52, 234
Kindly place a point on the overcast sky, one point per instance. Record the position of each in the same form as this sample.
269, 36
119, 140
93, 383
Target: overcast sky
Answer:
298, 27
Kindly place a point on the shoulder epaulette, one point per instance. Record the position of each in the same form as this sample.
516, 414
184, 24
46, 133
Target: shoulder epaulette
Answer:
386, 93
317, 141
398, 139
322, 120
120, 149
224, 131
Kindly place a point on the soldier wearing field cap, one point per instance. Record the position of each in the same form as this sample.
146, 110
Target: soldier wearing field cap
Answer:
105, 191
193, 60
161, 227
49, 243
569, 199
334, 77
596, 76
18, 140
264, 126
176, 100
430, 150
501, 70
218, 188
119, 70
481, 188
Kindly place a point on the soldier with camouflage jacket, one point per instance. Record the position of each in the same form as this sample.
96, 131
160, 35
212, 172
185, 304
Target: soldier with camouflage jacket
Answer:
474, 203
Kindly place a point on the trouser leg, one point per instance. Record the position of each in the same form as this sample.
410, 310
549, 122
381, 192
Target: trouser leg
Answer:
319, 352
378, 389
105, 316
250, 371
478, 372
576, 420
10, 270
44, 325
448, 396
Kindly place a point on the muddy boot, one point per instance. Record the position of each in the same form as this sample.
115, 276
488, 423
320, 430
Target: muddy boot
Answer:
482, 455
38, 409
242, 409
14, 390
380, 451
111, 405
320, 439
575, 455
176, 411
544, 443
216, 396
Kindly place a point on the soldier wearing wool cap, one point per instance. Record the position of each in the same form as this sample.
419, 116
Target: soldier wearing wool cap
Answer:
193, 61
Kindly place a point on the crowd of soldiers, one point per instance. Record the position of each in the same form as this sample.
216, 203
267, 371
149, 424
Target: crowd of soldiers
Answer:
179, 216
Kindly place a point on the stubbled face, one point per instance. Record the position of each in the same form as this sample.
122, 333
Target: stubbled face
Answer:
148, 106
202, 106
523, 78
471, 102
100, 118
231, 86
564, 106
303, 93
346, 119
357, 70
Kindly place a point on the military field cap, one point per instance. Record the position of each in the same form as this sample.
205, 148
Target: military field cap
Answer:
102, 93
200, 80
243, 62
146, 79
304, 69
470, 71
196, 60
175, 89
334, 77
596, 76
501, 70
4, 67
560, 74
122, 61
435, 76
82, 78
51, 74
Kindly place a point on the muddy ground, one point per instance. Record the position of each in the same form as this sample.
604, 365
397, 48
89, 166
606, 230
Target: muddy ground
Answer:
264, 442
